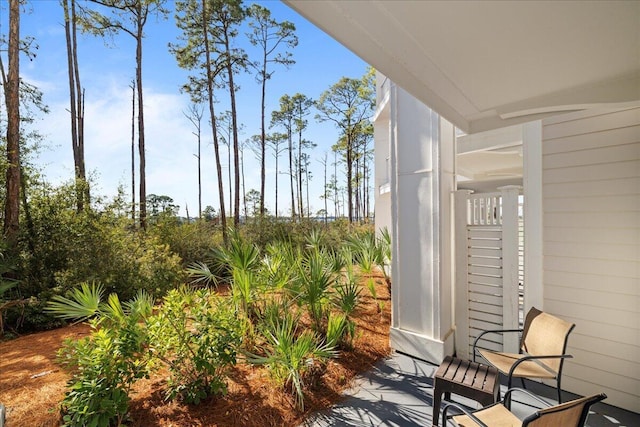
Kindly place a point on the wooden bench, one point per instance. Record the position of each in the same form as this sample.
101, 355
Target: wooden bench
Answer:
465, 378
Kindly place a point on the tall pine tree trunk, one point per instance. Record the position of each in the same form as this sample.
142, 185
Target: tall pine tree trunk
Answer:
12, 100
335, 184
300, 198
133, 152
75, 104
216, 145
229, 176
277, 155
82, 174
291, 178
141, 148
234, 121
350, 178
263, 137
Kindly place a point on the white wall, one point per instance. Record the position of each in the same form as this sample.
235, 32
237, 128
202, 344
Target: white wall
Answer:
382, 160
421, 184
591, 247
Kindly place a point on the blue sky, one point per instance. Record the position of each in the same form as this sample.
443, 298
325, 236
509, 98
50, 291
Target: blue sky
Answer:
106, 73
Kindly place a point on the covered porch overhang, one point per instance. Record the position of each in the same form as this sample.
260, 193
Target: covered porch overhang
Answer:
490, 64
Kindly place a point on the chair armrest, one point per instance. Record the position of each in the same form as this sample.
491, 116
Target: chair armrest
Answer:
462, 411
491, 331
507, 396
547, 356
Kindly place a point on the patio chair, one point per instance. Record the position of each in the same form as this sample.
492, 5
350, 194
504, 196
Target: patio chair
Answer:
542, 350
570, 414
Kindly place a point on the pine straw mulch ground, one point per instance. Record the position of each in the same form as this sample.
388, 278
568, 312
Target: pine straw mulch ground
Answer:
32, 384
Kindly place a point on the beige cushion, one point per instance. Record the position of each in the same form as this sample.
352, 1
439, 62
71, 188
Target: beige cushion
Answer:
494, 416
504, 361
566, 414
545, 334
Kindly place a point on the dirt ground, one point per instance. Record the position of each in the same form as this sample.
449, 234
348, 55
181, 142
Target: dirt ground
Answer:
32, 384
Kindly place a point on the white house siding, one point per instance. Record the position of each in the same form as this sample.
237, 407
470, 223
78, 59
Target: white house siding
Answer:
382, 159
591, 247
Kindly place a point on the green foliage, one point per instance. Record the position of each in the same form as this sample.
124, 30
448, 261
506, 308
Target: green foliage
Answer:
82, 304
91, 400
278, 265
369, 252
201, 274
241, 254
6, 285
337, 329
244, 291
347, 297
314, 284
62, 247
315, 239
191, 241
106, 364
277, 272
384, 243
196, 334
291, 357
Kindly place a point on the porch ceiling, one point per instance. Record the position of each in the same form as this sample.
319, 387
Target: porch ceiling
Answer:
484, 65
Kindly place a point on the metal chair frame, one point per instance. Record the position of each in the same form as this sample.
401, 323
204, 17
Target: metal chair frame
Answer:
534, 312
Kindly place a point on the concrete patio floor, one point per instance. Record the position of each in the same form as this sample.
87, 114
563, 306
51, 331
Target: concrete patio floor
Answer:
399, 392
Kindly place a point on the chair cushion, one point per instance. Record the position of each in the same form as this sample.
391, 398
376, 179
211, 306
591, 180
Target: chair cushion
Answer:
545, 334
504, 361
566, 414
494, 416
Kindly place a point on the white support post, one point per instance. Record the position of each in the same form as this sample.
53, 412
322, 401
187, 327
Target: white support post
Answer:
533, 230
510, 278
461, 290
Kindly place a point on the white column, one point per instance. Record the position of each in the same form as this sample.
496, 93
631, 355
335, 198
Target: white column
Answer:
421, 266
510, 244
532, 180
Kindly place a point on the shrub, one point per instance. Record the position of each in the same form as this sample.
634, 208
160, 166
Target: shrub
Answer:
196, 335
191, 241
337, 329
106, 364
61, 247
315, 280
291, 357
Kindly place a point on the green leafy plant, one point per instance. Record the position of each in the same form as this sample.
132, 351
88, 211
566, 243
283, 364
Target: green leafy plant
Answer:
315, 239
278, 265
315, 279
6, 284
291, 357
105, 365
196, 334
384, 260
201, 274
337, 329
240, 255
347, 299
83, 302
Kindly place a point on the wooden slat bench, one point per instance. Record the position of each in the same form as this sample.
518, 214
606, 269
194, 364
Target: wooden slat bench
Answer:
465, 378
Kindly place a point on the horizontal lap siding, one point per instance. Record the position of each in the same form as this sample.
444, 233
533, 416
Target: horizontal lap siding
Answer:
591, 217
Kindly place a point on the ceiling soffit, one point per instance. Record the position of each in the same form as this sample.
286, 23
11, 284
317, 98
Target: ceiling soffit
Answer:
484, 65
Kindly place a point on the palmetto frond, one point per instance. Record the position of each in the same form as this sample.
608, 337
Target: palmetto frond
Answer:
83, 303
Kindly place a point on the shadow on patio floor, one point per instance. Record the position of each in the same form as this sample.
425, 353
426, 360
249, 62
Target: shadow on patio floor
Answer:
399, 392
